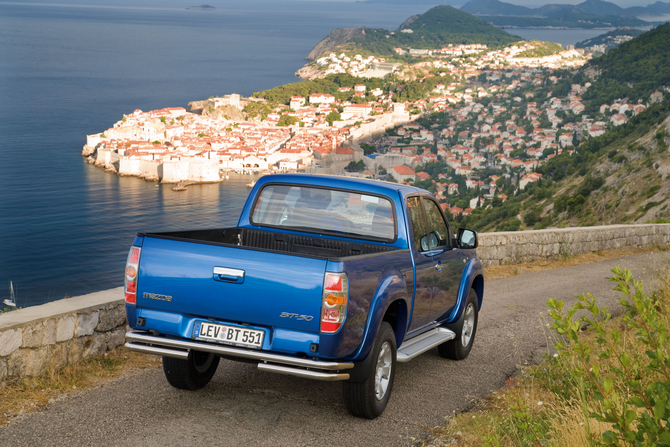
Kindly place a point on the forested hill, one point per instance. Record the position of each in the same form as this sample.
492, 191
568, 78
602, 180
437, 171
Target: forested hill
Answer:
435, 28
634, 69
609, 39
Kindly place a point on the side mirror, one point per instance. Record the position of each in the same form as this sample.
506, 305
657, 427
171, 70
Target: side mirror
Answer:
429, 241
466, 238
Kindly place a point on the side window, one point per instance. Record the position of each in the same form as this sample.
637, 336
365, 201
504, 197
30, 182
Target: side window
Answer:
437, 228
418, 224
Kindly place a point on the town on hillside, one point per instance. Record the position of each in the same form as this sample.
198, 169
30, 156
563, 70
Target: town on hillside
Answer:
473, 139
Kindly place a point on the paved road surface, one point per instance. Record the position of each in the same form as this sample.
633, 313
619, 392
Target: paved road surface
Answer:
243, 406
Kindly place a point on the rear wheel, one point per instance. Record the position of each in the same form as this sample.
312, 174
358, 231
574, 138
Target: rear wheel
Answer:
193, 373
369, 398
465, 329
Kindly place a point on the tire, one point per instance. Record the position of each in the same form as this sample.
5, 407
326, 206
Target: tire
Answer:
193, 373
465, 329
369, 398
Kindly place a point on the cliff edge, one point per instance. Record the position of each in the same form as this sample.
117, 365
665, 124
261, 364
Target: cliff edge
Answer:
335, 38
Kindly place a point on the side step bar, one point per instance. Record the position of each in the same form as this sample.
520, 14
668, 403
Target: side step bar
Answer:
283, 364
423, 342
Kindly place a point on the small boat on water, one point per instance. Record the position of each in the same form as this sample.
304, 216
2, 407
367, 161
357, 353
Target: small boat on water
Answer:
251, 185
12, 299
179, 187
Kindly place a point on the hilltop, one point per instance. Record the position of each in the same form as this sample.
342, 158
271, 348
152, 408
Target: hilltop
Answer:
435, 28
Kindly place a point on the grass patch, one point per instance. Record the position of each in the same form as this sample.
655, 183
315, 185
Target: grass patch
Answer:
565, 260
607, 384
33, 393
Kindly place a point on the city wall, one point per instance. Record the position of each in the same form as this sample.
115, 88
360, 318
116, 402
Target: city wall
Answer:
48, 337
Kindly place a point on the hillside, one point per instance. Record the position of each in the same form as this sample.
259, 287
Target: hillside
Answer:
634, 69
619, 177
435, 28
611, 39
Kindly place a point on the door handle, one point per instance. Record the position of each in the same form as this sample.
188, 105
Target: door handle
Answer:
228, 275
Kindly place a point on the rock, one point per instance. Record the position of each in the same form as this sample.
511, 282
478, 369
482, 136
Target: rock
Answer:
75, 350
196, 106
58, 356
10, 341
115, 339
65, 328
336, 37
86, 324
408, 22
309, 72
41, 334
28, 362
110, 318
95, 345
88, 150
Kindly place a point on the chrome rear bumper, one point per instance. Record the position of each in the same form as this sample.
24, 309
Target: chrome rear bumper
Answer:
282, 364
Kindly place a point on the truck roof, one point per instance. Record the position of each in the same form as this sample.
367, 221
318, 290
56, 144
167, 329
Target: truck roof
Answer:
336, 181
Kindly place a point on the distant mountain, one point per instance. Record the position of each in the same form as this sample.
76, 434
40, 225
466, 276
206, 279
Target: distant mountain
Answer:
589, 14
590, 7
436, 28
653, 9
495, 8
600, 7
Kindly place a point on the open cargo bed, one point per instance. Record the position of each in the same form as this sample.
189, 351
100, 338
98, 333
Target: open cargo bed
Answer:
317, 246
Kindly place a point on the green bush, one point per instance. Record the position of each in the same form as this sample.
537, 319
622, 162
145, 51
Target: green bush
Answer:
631, 387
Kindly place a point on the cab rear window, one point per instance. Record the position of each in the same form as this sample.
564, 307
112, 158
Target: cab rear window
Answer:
319, 210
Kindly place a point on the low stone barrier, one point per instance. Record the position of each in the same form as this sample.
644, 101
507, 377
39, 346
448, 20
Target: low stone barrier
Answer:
516, 247
53, 335
36, 339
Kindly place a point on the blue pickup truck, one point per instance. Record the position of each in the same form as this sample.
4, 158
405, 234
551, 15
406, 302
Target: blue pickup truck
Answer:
324, 277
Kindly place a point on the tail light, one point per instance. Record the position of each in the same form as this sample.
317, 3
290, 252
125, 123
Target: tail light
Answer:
130, 278
334, 302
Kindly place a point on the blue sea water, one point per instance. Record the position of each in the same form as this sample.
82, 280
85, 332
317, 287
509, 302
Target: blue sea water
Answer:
71, 70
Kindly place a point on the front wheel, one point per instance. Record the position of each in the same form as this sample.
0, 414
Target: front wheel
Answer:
369, 398
193, 373
465, 329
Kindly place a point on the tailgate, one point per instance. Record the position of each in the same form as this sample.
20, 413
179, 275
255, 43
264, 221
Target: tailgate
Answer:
231, 284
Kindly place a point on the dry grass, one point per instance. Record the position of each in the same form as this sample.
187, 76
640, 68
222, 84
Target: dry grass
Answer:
505, 271
31, 394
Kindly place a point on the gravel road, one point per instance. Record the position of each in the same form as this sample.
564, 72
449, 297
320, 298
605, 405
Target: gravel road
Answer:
242, 406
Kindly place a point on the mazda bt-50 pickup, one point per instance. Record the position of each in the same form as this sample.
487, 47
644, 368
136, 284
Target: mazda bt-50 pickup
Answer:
324, 277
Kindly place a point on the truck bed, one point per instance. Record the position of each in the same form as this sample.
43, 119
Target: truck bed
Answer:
300, 244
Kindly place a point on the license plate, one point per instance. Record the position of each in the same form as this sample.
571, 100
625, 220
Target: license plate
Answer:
230, 335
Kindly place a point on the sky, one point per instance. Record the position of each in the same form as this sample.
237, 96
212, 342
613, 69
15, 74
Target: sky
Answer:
182, 3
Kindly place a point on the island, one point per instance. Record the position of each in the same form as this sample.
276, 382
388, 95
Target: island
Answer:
202, 7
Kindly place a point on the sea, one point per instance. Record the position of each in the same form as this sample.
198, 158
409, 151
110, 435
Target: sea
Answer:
72, 69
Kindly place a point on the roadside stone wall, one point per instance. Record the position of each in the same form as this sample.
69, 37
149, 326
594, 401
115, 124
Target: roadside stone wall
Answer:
48, 337
516, 247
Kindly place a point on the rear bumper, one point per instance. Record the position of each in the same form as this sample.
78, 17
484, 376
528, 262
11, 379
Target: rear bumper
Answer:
282, 364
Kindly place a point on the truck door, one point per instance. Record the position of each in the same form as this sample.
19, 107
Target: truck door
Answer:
449, 262
424, 265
